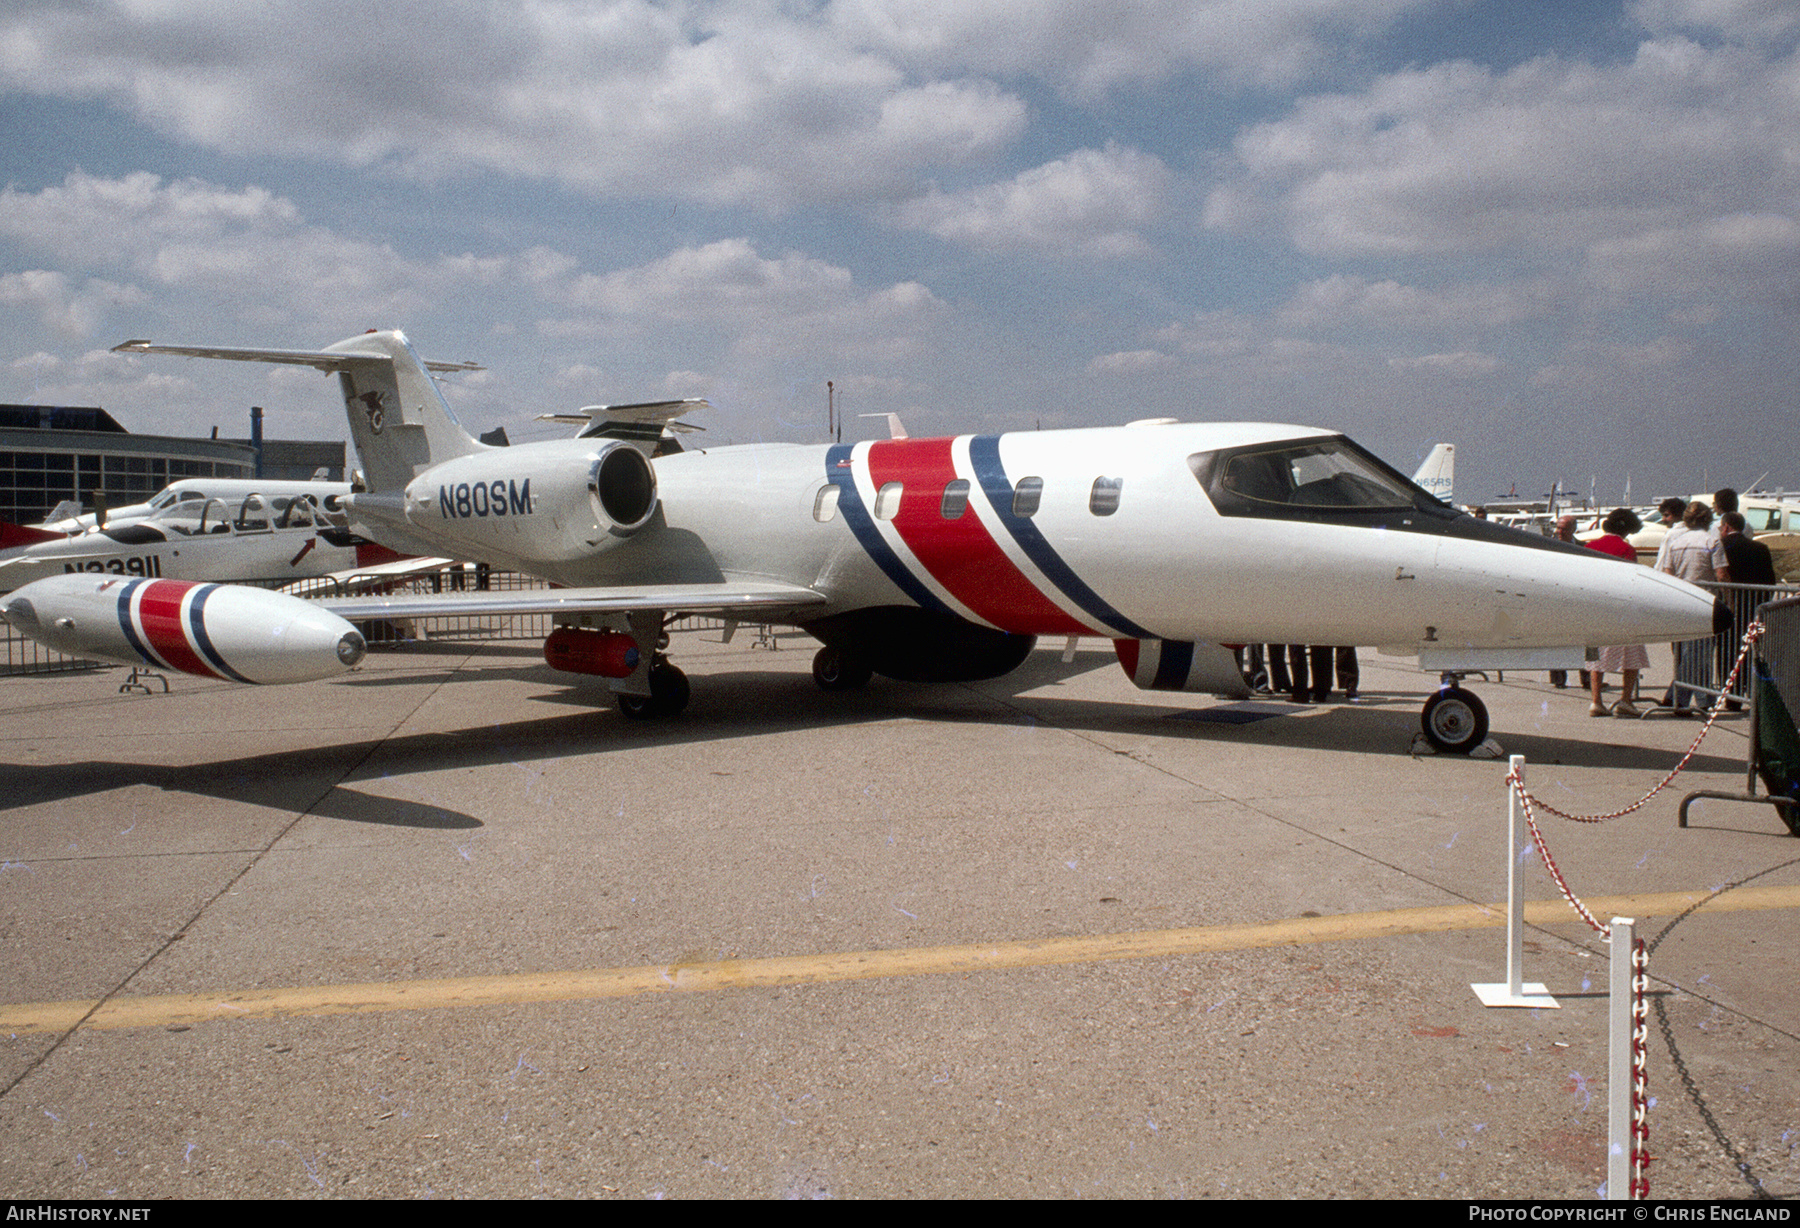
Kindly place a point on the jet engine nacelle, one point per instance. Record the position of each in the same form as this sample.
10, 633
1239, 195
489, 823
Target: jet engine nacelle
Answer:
1175, 665
564, 507
212, 630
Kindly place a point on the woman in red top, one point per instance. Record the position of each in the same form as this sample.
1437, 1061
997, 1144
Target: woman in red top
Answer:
1626, 659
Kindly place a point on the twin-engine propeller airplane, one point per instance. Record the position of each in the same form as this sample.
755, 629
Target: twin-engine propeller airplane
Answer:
930, 559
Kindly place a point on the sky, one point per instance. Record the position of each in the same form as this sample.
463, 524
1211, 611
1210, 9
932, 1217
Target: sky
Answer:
1561, 234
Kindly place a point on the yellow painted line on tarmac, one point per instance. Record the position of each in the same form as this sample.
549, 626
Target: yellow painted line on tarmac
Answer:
169, 1010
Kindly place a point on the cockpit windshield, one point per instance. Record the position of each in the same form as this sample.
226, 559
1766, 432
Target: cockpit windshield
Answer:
1309, 479
194, 517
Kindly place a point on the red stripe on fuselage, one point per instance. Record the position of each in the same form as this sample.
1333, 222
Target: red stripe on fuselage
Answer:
961, 554
159, 620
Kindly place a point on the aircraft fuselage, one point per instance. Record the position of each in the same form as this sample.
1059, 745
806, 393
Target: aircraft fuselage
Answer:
1108, 532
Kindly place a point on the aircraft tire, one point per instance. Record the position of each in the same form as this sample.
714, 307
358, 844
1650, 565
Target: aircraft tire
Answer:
837, 669
1455, 721
668, 695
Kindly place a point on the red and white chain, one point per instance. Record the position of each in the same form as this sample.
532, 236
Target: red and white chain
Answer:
1640, 978
1640, 1079
1751, 634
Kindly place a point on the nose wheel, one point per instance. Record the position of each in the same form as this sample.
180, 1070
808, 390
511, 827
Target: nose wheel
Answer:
1454, 720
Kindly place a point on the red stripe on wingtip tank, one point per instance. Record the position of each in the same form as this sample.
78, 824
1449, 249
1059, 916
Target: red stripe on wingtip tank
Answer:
961, 554
159, 617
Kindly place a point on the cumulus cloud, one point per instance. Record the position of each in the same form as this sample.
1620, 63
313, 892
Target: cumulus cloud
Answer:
1131, 362
1549, 159
724, 103
1346, 300
245, 248
1086, 49
1460, 365
1746, 20
1092, 203
783, 304
72, 311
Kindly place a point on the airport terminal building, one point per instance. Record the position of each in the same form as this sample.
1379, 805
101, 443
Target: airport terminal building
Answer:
49, 453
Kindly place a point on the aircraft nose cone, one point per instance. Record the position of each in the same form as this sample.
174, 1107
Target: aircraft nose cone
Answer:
20, 613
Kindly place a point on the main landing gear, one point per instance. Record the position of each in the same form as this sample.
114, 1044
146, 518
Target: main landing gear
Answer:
839, 669
668, 694
1454, 720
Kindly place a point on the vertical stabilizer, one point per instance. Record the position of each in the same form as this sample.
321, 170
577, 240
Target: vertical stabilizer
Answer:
399, 421
1438, 474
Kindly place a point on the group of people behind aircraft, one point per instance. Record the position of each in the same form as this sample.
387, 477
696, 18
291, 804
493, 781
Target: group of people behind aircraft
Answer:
1695, 550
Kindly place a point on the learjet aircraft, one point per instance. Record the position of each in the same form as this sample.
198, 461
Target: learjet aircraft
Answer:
918, 559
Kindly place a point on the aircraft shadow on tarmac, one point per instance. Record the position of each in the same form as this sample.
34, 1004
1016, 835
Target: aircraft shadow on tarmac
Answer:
319, 780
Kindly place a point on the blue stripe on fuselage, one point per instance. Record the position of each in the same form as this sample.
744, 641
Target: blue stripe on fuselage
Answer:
984, 455
842, 473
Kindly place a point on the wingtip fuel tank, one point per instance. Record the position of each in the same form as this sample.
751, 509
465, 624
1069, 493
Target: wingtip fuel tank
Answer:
210, 630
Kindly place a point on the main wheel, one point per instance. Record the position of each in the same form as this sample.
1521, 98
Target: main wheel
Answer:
668, 695
1454, 721
838, 669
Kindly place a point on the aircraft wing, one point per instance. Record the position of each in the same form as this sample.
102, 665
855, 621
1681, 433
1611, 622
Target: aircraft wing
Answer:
729, 600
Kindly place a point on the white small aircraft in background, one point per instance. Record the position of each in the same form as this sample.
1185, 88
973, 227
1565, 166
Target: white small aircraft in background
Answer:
284, 537
67, 516
918, 559
1437, 475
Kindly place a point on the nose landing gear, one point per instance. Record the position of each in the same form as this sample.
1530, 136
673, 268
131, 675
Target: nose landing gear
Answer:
1454, 720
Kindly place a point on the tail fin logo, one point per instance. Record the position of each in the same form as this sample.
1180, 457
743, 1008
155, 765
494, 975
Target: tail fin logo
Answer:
371, 403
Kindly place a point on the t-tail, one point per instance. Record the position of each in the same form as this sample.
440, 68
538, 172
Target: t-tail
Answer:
399, 420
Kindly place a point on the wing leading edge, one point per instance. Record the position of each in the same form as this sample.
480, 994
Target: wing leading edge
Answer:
749, 597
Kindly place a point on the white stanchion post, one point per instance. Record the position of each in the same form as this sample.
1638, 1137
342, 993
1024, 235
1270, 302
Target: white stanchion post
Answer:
1513, 991
1618, 1062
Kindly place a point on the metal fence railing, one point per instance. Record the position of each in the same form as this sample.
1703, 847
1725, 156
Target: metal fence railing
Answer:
19, 655
1778, 651
1770, 752
1702, 666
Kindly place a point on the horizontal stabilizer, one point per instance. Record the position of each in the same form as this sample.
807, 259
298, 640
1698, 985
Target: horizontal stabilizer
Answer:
324, 360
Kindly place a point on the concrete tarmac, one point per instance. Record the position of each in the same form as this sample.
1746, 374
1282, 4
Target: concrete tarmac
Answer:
452, 927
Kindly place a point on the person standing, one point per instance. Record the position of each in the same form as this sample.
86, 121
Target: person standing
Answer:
1626, 660
1565, 532
1748, 560
1692, 554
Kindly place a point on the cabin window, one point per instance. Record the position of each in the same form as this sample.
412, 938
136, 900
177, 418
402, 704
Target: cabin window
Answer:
1026, 497
1103, 500
887, 500
956, 499
825, 503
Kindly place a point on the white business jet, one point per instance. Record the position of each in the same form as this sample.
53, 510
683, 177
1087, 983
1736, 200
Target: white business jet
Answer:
921, 559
